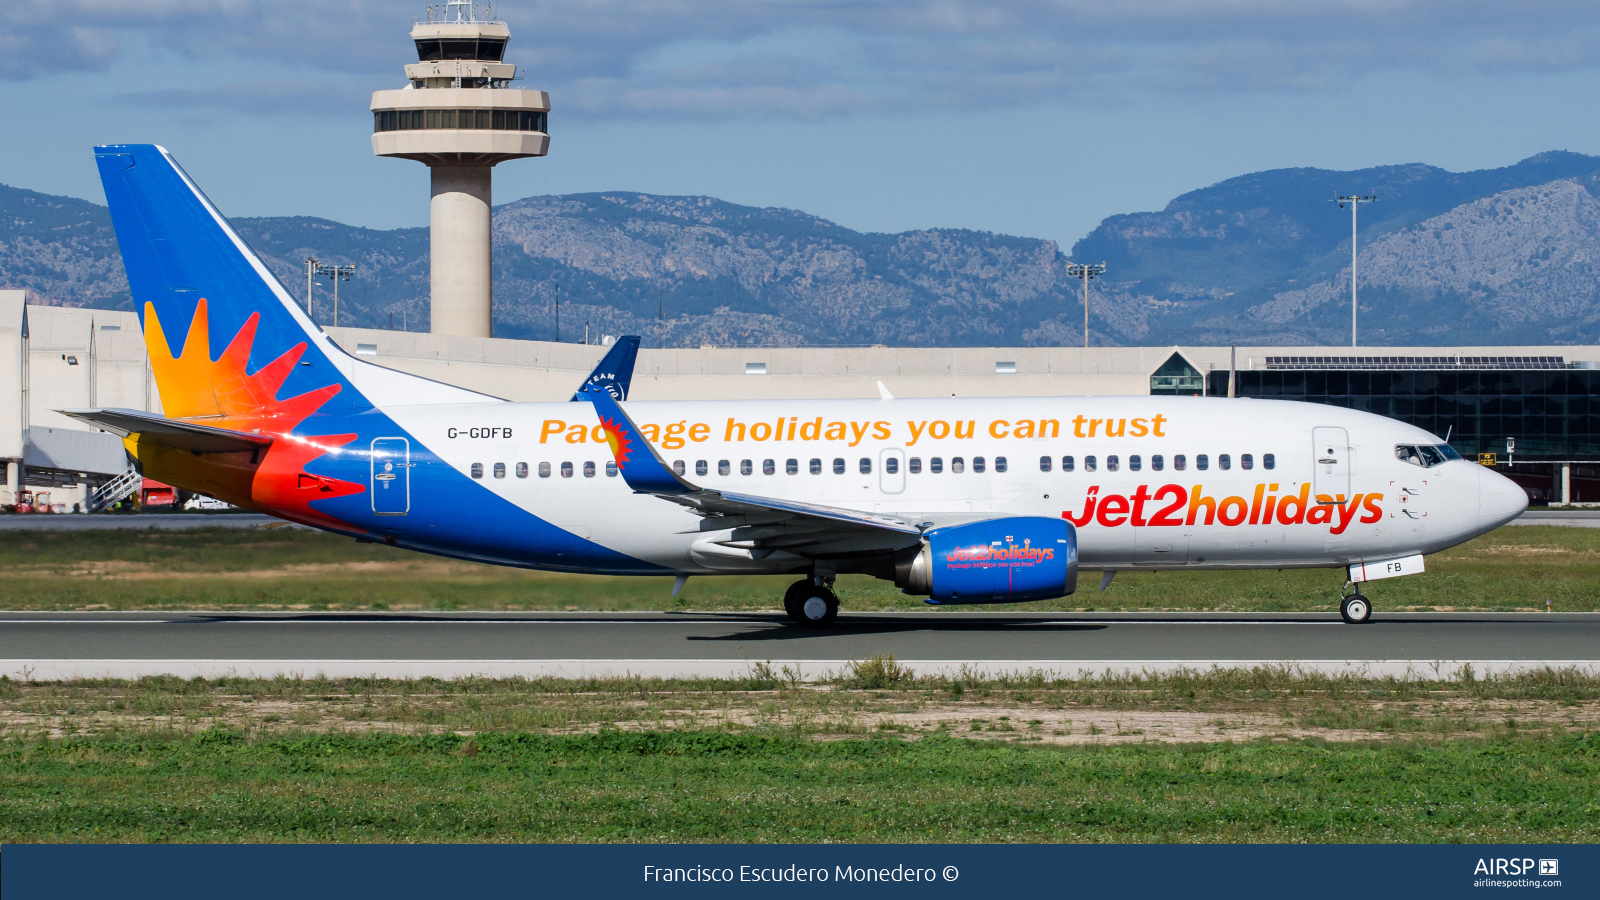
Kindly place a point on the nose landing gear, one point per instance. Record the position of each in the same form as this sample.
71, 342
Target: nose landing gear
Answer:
810, 605
1355, 608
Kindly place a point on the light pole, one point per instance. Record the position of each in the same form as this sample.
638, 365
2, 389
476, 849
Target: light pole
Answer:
1354, 200
1087, 272
558, 312
312, 266
336, 274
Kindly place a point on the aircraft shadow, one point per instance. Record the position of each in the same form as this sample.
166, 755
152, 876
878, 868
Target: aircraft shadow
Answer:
853, 626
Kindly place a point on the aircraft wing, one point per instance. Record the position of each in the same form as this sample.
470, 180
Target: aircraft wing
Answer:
771, 523
165, 432
614, 374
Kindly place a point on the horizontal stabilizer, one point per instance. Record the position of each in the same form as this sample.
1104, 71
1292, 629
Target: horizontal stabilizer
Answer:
165, 432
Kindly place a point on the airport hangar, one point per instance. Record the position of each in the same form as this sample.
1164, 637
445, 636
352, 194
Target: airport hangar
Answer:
1546, 399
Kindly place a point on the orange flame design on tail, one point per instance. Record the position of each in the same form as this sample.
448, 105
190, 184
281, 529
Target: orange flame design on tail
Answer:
220, 393
621, 446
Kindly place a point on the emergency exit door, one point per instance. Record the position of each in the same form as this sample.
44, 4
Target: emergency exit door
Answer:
1331, 462
391, 476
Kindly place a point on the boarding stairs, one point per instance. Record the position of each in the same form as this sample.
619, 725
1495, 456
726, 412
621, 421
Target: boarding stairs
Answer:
118, 488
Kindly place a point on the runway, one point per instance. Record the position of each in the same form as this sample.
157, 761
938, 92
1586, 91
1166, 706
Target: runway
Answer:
55, 646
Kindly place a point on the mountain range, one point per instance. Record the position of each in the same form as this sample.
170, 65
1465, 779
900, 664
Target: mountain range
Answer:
1505, 255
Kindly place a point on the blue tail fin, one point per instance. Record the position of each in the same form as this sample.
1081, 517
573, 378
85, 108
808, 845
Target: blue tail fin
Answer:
207, 290
614, 374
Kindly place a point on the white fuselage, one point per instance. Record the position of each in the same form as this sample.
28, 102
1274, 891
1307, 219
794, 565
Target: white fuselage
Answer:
1270, 495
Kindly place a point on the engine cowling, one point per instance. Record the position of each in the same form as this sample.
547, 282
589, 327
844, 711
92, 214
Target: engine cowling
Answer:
996, 561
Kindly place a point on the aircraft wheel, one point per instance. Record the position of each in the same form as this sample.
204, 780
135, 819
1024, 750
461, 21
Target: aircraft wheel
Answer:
816, 607
1355, 610
791, 598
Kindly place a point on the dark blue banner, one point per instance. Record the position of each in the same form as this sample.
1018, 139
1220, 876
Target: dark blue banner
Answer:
312, 872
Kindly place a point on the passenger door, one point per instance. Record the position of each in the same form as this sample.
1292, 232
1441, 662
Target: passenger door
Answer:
391, 476
1331, 462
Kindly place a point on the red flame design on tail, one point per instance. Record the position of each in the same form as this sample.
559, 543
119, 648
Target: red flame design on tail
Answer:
220, 393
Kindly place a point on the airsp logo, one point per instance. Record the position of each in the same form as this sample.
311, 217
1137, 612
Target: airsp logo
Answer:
1502, 866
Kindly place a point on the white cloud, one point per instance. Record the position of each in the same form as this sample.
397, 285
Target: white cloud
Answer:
826, 57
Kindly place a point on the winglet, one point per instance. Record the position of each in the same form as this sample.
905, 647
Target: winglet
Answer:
614, 374
640, 465
883, 392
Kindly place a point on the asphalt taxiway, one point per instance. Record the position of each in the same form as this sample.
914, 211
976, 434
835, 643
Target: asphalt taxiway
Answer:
54, 645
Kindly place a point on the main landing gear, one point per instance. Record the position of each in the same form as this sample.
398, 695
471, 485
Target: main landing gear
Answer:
1355, 608
810, 605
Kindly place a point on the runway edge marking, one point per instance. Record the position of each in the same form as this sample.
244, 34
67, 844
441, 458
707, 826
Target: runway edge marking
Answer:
52, 670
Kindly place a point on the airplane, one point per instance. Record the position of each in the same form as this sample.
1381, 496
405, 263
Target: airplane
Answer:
960, 501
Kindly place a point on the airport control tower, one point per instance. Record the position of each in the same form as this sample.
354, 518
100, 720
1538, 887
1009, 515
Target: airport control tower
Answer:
459, 114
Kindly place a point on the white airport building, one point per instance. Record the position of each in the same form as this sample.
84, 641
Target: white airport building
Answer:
55, 358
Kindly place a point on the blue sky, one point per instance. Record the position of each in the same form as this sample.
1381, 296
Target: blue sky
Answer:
1031, 117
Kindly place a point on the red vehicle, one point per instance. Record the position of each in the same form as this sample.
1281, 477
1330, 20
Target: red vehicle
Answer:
155, 495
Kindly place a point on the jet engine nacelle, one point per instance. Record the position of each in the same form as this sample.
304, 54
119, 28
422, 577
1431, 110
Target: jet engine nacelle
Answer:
997, 561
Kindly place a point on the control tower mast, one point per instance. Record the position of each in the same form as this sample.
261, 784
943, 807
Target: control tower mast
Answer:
459, 114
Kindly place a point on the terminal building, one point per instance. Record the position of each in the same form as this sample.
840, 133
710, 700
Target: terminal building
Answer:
1537, 409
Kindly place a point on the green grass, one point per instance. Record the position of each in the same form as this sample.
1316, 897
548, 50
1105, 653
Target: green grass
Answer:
698, 786
1513, 568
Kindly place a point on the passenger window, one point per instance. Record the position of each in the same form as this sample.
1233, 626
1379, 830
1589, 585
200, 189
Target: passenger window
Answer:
838, 465
1224, 461
1180, 462
1269, 461
588, 469
768, 467
936, 465
1113, 464
522, 470
677, 467
1247, 461
701, 467
977, 464
816, 466
791, 467
746, 467
1135, 463
891, 465
957, 465
544, 470
723, 467
1157, 463
611, 468
1089, 464
1044, 463
1066, 463
499, 470
916, 465
477, 470
1202, 462
866, 466
1000, 463
566, 470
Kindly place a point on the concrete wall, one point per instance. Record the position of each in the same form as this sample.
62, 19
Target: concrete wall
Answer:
540, 370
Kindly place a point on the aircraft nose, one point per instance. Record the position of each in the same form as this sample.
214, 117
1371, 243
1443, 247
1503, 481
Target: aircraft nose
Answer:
1499, 499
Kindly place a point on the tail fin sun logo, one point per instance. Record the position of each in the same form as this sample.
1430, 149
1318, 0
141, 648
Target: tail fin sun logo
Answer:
621, 444
223, 393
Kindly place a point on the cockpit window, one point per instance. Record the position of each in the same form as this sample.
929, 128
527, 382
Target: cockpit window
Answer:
1425, 455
